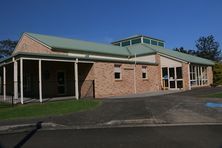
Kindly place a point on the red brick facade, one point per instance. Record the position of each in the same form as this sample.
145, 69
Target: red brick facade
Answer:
106, 85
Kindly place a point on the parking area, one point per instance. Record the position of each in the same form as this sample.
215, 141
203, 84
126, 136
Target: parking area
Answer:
180, 107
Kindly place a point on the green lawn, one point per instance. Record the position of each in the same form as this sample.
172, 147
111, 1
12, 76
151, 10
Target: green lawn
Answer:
217, 95
45, 109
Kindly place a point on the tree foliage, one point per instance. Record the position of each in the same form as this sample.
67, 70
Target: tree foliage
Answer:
208, 48
7, 47
181, 49
217, 72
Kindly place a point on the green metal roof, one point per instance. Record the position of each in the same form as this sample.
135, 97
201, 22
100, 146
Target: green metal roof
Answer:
180, 55
139, 50
71, 45
58, 43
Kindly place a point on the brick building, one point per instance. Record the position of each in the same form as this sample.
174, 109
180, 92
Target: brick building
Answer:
45, 66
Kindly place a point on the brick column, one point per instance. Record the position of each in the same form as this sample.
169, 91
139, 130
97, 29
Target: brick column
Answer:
210, 75
185, 68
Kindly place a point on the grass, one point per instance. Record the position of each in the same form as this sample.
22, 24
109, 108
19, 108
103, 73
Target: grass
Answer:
45, 109
216, 95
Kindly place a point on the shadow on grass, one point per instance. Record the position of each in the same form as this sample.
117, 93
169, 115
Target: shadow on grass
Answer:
29, 135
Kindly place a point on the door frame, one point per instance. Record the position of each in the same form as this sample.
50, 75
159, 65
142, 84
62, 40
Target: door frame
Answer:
170, 80
64, 85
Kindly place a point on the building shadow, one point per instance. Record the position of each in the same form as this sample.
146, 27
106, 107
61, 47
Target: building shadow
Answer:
29, 135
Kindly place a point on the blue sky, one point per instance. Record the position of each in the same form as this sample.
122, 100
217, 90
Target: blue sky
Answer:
177, 22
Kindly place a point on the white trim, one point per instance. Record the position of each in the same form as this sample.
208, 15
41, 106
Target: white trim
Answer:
21, 80
4, 82
76, 80
189, 84
15, 79
55, 60
135, 89
40, 81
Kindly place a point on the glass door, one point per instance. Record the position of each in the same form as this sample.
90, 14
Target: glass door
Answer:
172, 80
61, 83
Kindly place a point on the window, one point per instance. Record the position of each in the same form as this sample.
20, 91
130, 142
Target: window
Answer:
161, 44
153, 42
193, 73
144, 72
145, 40
117, 44
198, 75
125, 43
179, 72
117, 72
136, 41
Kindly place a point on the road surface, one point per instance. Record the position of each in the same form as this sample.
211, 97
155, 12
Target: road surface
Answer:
173, 137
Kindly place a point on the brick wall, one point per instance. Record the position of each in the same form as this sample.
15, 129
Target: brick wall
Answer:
27, 44
210, 75
106, 85
185, 68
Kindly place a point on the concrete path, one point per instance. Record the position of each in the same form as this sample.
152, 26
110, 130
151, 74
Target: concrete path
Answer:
147, 94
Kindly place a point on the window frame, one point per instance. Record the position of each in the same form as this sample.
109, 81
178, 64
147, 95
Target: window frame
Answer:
144, 71
119, 71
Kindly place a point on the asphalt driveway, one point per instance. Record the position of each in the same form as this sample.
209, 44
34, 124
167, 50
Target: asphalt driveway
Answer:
181, 107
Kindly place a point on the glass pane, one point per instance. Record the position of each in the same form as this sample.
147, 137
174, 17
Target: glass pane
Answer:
161, 44
61, 78
145, 40
164, 73
165, 83
143, 75
126, 43
117, 75
136, 41
153, 42
172, 84
172, 75
179, 72
179, 84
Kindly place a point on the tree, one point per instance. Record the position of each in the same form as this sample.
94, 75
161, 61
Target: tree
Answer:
208, 48
217, 72
7, 47
181, 49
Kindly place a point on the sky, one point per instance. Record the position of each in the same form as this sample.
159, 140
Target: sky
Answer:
178, 23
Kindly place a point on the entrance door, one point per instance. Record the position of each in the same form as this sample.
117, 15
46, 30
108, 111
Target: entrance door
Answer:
172, 80
61, 83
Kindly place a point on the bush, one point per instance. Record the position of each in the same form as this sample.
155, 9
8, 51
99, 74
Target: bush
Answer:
217, 71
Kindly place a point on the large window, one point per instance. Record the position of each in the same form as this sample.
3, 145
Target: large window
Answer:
145, 40
144, 72
136, 41
161, 44
153, 42
117, 72
126, 43
198, 75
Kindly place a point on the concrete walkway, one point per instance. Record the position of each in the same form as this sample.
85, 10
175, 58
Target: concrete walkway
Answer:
147, 94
